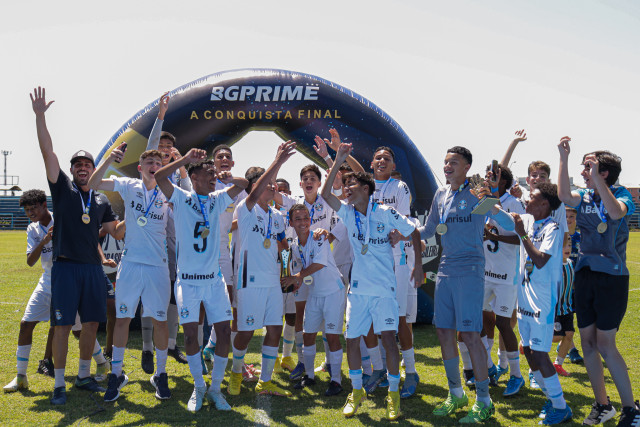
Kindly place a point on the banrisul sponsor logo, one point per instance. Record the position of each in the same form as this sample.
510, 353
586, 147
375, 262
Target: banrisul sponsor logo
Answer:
266, 93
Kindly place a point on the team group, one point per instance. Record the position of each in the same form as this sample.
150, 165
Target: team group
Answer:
339, 260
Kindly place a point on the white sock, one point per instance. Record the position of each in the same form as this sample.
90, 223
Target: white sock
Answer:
172, 344
365, 358
200, 335
326, 349
22, 357
97, 353
233, 337
465, 356
409, 358
487, 348
161, 361
146, 325
356, 378
309, 356
84, 368
238, 360
117, 356
394, 382
376, 358
217, 373
288, 337
554, 391
503, 359
514, 363
59, 377
336, 365
195, 366
559, 360
269, 355
540, 380
299, 344
212, 339
173, 324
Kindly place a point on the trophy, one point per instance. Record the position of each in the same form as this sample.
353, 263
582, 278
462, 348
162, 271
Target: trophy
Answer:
285, 268
477, 186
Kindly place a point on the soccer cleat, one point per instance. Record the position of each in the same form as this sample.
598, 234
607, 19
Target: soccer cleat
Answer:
560, 370
324, 367
532, 381
297, 372
374, 380
102, 370
305, 382
630, 416
287, 363
500, 371
600, 413
354, 400
557, 416
411, 382
334, 389
114, 385
469, 379
492, 372
59, 396
208, 353
513, 386
20, 382
218, 400
450, 405
478, 413
574, 356
547, 406
89, 384
177, 354
195, 401
249, 374
277, 369
45, 367
268, 387
161, 384
146, 362
235, 380
393, 405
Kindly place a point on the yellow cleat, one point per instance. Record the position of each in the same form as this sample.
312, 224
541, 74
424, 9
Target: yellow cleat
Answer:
277, 369
19, 383
270, 388
353, 402
288, 363
393, 405
235, 380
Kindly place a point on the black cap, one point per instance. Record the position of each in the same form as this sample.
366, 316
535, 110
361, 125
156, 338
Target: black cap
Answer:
82, 154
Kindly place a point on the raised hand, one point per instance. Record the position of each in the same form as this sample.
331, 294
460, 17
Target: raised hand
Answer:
335, 139
117, 154
285, 151
195, 155
320, 233
163, 105
343, 152
516, 191
38, 101
519, 225
592, 166
225, 176
521, 135
175, 154
564, 147
321, 147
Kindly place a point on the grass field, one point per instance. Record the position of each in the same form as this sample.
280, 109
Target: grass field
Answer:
137, 405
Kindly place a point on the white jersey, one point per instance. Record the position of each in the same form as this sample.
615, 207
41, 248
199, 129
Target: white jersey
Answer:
342, 252
226, 218
319, 211
36, 232
112, 249
394, 193
325, 281
148, 244
198, 256
502, 260
258, 266
373, 272
538, 294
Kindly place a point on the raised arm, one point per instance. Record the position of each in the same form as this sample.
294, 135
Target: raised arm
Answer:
156, 130
97, 181
162, 175
321, 150
239, 184
565, 194
341, 154
521, 135
40, 105
285, 151
334, 143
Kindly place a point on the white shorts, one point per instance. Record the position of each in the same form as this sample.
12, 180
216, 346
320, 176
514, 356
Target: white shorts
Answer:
535, 335
148, 283
259, 307
39, 305
500, 298
214, 296
412, 307
365, 310
403, 274
225, 266
325, 313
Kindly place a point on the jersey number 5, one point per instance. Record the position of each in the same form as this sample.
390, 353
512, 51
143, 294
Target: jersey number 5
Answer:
197, 234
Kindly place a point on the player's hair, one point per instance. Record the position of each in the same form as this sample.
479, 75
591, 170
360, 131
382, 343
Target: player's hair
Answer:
608, 162
297, 207
363, 178
32, 198
539, 164
345, 167
169, 136
396, 175
505, 174
221, 147
550, 193
252, 175
196, 167
311, 168
570, 209
464, 152
387, 149
283, 181
150, 153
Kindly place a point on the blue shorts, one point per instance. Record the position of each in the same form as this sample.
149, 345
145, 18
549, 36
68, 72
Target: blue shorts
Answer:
77, 288
458, 303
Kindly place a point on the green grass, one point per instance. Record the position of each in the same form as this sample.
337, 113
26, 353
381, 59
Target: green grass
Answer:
137, 404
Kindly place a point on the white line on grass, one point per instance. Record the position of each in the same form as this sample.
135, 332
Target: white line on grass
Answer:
12, 303
262, 411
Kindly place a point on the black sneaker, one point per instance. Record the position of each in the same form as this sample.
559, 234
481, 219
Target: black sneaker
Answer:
305, 382
334, 389
107, 355
146, 361
630, 416
59, 396
469, 379
45, 367
89, 384
177, 354
599, 414
114, 386
161, 383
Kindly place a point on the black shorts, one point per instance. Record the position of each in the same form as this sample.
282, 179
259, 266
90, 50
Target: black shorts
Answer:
172, 299
77, 288
563, 324
600, 298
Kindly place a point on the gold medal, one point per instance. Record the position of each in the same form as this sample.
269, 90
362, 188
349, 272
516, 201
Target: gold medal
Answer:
141, 221
86, 218
602, 227
528, 266
364, 250
205, 233
266, 243
308, 280
441, 228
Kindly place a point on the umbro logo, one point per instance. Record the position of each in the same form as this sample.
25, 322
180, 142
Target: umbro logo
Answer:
389, 321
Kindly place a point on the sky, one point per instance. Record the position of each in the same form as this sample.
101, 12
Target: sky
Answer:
450, 73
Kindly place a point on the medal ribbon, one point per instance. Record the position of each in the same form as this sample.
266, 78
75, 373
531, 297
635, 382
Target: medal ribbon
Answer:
304, 262
313, 208
205, 214
269, 226
85, 209
358, 223
444, 211
535, 234
600, 209
153, 199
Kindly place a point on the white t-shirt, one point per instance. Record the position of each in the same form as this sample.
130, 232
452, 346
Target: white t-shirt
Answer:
226, 218
198, 257
36, 232
342, 252
325, 281
319, 211
394, 193
538, 295
373, 272
148, 244
258, 266
112, 249
502, 260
